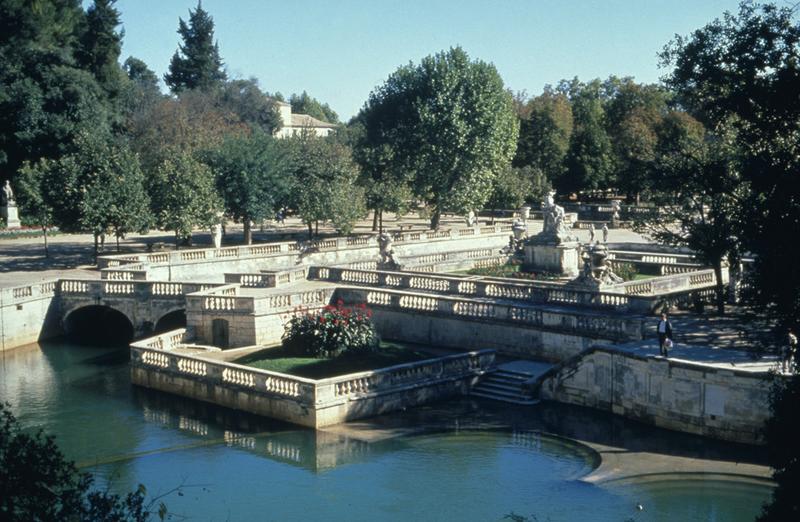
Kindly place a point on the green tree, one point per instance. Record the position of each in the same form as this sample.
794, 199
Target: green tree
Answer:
590, 159
184, 196
46, 98
32, 195
741, 72
324, 186
544, 134
100, 45
253, 107
633, 114
253, 176
38, 483
509, 190
196, 64
141, 91
305, 104
114, 198
450, 126
698, 195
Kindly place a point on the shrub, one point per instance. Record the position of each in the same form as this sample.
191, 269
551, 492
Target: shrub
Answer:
627, 271
331, 332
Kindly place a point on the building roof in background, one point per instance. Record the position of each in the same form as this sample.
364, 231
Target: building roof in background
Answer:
304, 120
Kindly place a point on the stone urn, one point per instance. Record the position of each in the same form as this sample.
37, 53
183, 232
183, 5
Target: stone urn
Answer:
525, 212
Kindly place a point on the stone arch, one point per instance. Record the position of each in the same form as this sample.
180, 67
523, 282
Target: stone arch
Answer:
98, 325
171, 320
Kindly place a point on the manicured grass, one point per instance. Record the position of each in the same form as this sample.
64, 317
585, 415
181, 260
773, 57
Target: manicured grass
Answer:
275, 359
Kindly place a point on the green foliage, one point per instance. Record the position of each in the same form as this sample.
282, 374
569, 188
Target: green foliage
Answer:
509, 189
627, 271
448, 125
544, 134
253, 107
100, 45
253, 174
783, 451
305, 104
331, 332
196, 64
141, 91
184, 195
324, 183
38, 483
590, 159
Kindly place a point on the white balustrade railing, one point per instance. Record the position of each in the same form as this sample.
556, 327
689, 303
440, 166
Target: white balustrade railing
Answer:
18, 294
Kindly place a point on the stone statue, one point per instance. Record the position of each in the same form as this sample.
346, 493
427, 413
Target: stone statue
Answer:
555, 225
387, 253
615, 209
472, 219
216, 234
8, 195
596, 272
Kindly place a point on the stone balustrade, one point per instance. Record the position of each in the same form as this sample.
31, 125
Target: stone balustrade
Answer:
17, 294
583, 323
267, 279
530, 292
256, 251
156, 364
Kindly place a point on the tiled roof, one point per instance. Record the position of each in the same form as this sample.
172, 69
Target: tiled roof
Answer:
304, 120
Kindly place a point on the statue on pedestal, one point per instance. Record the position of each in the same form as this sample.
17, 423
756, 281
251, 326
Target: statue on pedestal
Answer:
387, 262
596, 272
615, 209
555, 228
8, 207
8, 196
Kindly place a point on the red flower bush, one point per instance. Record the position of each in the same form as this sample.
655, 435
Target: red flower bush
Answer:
331, 332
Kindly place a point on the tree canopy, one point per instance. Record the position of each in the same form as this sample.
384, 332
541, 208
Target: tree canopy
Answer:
197, 63
448, 124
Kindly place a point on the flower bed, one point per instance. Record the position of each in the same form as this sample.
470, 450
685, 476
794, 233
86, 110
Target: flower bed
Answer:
331, 332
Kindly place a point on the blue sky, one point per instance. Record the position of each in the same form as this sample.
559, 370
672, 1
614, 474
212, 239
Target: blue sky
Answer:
340, 50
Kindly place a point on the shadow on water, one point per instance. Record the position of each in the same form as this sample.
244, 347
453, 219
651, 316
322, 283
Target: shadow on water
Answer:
98, 325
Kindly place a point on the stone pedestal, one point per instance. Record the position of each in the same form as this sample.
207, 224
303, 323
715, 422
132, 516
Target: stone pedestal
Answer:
560, 259
11, 216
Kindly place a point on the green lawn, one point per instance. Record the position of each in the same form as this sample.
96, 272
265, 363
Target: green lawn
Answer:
275, 359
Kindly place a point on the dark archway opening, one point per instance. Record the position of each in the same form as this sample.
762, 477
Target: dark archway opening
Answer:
99, 326
171, 321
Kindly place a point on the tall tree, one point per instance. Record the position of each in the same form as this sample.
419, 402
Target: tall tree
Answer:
46, 97
544, 134
196, 64
590, 159
305, 104
253, 106
324, 186
100, 46
450, 124
741, 71
184, 196
252, 174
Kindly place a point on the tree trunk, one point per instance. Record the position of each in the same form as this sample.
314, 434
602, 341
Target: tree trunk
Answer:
116, 235
720, 287
96, 239
46, 251
248, 232
494, 211
310, 230
177, 240
316, 228
380, 221
375, 220
436, 218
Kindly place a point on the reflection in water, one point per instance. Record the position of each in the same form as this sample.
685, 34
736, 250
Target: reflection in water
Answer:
237, 466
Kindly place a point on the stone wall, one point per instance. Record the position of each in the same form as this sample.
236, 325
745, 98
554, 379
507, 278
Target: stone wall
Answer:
156, 365
679, 395
28, 314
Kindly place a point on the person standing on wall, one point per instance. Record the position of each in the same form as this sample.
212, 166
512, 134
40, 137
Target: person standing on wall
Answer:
591, 233
605, 233
664, 330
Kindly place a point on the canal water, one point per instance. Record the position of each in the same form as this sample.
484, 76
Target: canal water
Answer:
232, 466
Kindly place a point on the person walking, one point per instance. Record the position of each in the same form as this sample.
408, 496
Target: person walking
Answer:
789, 351
605, 233
664, 330
591, 233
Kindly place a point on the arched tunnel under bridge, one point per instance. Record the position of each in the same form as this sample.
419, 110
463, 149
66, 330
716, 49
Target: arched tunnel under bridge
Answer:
98, 325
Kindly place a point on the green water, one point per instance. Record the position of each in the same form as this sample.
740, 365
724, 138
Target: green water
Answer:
232, 466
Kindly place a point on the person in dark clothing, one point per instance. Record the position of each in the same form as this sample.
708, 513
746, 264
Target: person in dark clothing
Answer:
789, 352
664, 330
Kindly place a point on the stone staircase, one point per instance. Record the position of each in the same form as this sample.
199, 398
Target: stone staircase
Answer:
504, 385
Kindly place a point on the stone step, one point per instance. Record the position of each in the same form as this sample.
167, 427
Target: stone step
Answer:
525, 401
505, 387
511, 377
